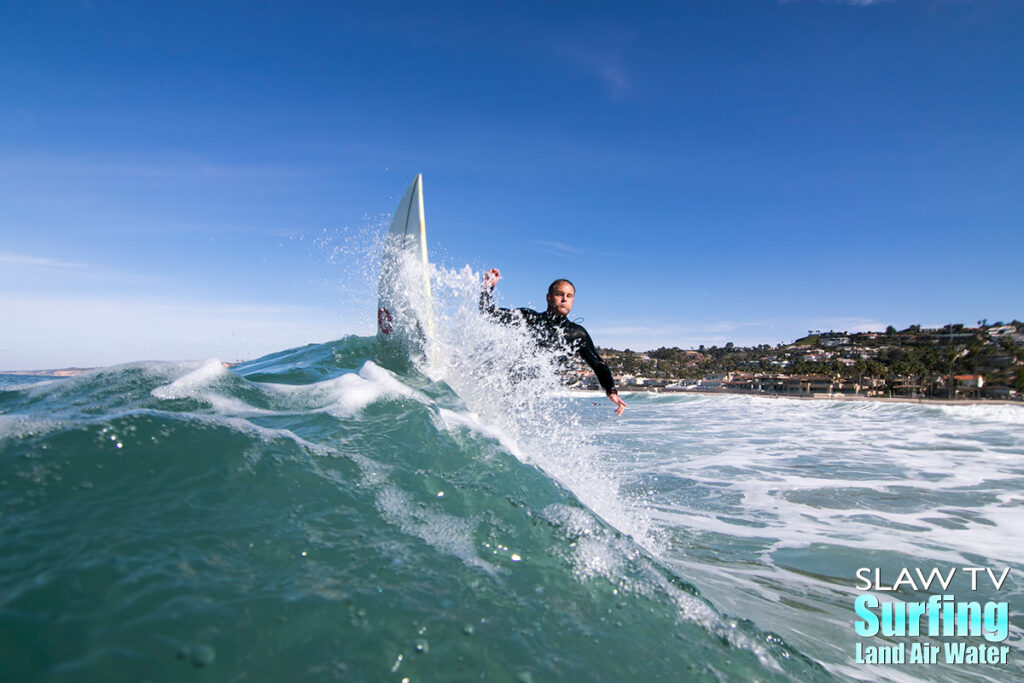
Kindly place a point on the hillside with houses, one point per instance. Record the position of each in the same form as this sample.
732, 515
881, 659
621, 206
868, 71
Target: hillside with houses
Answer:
950, 362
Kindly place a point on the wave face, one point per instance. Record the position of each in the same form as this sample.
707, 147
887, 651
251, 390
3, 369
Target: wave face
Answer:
334, 512
313, 515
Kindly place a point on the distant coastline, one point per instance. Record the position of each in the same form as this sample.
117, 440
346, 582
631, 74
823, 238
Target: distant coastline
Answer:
952, 363
60, 372
835, 397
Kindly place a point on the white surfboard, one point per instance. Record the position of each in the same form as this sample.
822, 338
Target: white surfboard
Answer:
404, 309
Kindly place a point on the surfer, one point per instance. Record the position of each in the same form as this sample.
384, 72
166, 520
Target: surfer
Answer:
552, 329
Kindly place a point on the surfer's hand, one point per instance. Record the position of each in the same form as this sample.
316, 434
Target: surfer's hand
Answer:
491, 278
614, 398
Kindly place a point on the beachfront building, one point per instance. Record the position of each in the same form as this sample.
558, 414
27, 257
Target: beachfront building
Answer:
999, 391
908, 387
808, 385
684, 385
968, 385
714, 381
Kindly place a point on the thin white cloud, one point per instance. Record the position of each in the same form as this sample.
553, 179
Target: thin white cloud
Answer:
606, 66
594, 50
615, 80
17, 266
11, 259
849, 324
559, 249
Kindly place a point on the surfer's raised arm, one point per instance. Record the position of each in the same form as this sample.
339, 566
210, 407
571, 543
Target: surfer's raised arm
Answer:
501, 315
491, 278
552, 328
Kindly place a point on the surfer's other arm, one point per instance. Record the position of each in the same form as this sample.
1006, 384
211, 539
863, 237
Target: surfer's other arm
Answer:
604, 375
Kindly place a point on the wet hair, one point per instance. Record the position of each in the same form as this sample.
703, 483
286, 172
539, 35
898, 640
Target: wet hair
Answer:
551, 287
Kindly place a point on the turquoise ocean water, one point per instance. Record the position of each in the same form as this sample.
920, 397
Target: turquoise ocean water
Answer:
325, 513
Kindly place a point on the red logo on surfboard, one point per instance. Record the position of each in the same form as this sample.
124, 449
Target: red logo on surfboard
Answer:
384, 321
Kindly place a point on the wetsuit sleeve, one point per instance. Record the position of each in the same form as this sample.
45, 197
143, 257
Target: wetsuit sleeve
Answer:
596, 363
501, 315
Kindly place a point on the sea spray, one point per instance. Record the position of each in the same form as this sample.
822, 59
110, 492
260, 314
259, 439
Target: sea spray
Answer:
347, 260
502, 375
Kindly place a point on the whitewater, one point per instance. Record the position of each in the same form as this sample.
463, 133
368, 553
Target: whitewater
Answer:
330, 512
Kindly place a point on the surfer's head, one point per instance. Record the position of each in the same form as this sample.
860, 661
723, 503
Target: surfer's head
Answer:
561, 296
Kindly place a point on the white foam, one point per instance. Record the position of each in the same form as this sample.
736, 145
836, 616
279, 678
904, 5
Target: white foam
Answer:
1008, 414
863, 451
200, 384
452, 420
937, 483
446, 533
344, 396
192, 383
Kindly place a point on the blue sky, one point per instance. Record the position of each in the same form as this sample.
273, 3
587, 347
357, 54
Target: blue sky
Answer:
202, 179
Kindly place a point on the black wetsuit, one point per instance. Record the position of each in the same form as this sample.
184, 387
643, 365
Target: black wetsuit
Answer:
553, 332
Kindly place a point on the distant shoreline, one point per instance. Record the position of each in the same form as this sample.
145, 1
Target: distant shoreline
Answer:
844, 397
62, 372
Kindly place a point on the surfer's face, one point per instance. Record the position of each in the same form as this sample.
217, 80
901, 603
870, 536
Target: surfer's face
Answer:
561, 298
